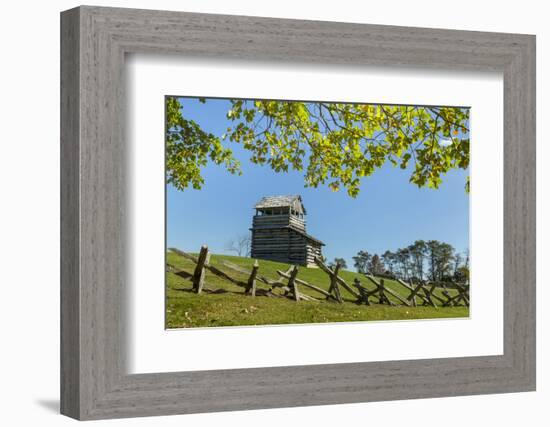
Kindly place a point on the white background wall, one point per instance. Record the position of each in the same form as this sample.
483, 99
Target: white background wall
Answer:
29, 211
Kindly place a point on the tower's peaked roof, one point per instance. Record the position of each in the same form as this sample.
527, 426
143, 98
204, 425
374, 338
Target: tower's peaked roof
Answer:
280, 202
277, 201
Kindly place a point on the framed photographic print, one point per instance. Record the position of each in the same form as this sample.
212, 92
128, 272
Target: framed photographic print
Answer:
318, 148
262, 213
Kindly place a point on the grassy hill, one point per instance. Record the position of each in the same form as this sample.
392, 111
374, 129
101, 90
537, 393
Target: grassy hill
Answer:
225, 304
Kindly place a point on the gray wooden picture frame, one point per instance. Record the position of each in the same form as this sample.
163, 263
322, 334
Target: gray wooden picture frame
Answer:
94, 382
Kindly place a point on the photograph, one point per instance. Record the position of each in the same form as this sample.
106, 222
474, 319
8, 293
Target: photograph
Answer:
276, 212
303, 212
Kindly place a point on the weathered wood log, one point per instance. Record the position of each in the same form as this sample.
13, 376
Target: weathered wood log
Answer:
347, 287
462, 288
259, 277
464, 292
383, 289
252, 279
292, 283
451, 300
434, 296
235, 267
200, 271
279, 283
377, 291
395, 295
308, 298
456, 299
415, 291
210, 268
411, 288
223, 275
466, 298
334, 284
389, 291
364, 292
304, 283
446, 295
184, 254
382, 293
341, 281
281, 286
369, 293
404, 284
462, 297
429, 295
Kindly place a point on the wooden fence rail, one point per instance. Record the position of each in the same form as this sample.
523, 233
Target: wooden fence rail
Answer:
289, 284
306, 284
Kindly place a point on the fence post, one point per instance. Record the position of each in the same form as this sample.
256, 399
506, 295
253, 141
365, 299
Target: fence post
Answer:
251, 285
464, 295
450, 300
412, 296
200, 271
364, 294
292, 283
430, 295
334, 283
446, 294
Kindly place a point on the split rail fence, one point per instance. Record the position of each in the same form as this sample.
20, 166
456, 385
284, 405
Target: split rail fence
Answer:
423, 293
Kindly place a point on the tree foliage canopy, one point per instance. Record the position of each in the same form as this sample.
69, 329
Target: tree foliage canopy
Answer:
362, 261
189, 147
334, 144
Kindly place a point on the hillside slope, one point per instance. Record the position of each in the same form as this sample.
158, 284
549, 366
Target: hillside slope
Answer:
225, 304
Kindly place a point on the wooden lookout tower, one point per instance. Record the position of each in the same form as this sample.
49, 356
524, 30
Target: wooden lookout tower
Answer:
279, 232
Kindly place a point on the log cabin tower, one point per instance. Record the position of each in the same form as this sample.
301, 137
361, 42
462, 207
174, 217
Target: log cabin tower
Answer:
279, 232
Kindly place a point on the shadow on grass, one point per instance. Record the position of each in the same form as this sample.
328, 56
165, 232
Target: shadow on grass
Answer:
206, 291
184, 274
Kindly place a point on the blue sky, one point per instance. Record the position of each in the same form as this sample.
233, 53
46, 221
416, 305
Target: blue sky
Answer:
388, 213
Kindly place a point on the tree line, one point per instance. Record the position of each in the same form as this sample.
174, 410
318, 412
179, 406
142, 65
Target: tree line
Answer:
422, 260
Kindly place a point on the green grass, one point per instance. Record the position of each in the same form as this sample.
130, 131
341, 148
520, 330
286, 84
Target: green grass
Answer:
225, 304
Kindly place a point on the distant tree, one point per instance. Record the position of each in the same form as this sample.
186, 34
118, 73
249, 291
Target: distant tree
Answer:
403, 261
457, 262
433, 260
432, 250
240, 245
388, 258
467, 258
446, 258
376, 266
417, 252
440, 259
361, 261
341, 261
